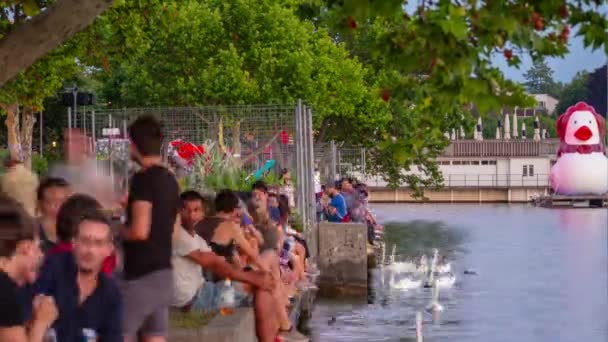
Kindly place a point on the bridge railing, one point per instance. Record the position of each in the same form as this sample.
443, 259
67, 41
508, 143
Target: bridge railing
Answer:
478, 181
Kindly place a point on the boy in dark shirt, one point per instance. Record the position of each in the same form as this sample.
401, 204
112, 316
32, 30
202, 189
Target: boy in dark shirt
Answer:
19, 259
152, 211
89, 301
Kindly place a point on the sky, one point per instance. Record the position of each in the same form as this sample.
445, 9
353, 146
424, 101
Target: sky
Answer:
564, 69
578, 58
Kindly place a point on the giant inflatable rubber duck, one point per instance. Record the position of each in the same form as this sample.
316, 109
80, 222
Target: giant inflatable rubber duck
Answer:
582, 166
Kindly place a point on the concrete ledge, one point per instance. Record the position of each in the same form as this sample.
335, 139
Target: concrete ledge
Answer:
239, 326
343, 255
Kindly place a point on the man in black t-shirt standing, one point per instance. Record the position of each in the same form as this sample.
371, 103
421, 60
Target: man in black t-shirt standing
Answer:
152, 211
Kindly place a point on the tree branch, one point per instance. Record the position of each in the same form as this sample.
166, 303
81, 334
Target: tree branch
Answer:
35, 38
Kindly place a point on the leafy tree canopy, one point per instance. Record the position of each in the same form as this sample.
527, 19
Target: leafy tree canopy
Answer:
186, 53
539, 80
573, 92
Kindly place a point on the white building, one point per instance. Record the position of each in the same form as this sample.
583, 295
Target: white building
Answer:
546, 101
494, 164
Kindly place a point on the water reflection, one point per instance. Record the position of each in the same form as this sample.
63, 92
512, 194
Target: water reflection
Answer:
541, 277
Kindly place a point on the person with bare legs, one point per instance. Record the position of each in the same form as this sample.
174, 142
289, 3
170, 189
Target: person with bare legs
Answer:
192, 255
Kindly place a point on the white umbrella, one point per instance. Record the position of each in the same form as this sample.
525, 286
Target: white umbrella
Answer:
523, 130
479, 129
453, 134
462, 133
507, 127
446, 135
515, 132
536, 129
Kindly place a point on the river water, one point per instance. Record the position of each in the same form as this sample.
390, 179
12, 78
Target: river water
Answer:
541, 275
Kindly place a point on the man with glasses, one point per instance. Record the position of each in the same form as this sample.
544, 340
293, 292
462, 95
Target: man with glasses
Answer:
89, 302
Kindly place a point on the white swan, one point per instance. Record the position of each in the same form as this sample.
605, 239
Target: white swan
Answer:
402, 267
444, 266
434, 306
404, 284
445, 280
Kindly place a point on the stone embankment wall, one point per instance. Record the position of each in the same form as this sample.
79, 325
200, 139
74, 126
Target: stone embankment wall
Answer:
459, 195
342, 258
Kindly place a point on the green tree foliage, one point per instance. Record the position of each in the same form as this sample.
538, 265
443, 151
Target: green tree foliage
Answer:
434, 60
188, 53
539, 80
597, 84
573, 92
25, 94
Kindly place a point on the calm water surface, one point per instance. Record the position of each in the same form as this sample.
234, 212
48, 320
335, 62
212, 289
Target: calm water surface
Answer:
542, 276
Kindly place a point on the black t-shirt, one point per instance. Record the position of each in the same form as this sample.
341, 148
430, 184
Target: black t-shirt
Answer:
11, 312
158, 186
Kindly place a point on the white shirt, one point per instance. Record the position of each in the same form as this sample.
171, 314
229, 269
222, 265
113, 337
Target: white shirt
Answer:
187, 275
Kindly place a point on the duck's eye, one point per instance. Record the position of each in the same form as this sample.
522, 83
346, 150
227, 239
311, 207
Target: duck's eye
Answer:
590, 122
575, 122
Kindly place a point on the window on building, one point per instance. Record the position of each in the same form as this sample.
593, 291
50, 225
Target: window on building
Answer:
492, 162
456, 162
474, 162
541, 104
530, 170
484, 162
444, 162
525, 171
466, 162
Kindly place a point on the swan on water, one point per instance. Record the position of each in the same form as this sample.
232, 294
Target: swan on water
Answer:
405, 283
445, 280
444, 266
434, 306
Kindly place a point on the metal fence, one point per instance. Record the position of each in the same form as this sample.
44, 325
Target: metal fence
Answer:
253, 133
334, 162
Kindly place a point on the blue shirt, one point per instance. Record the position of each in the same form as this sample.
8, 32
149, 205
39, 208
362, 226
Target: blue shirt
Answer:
339, 203
101, 312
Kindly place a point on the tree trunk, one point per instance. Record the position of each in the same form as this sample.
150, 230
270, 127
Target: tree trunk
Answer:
12, 126
47, 30
28, 119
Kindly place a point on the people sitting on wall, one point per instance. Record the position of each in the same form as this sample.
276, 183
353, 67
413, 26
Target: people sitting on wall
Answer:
222, 231
51, 194
336, 210
89, 302
68, 219
192, 255
353, 201
20, 256
270, 250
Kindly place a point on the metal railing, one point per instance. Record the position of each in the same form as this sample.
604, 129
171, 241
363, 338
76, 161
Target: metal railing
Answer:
255, 133
501, 148
479, 181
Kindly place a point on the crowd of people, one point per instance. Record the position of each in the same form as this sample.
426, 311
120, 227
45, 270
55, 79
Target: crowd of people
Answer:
346, 201
75, 269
